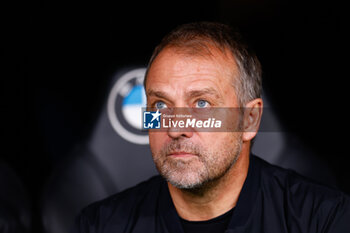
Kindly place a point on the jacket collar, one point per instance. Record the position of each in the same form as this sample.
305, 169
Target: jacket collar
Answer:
248, 196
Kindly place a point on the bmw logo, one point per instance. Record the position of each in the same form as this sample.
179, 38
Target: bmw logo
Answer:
124, 107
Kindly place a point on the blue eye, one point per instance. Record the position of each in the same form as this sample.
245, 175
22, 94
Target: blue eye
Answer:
202, 104
160, 105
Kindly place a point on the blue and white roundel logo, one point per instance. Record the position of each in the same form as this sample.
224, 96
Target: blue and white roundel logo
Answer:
125, 103
132, 104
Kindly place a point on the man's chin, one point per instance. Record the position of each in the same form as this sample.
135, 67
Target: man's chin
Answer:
185, 180
185, 186
183, 174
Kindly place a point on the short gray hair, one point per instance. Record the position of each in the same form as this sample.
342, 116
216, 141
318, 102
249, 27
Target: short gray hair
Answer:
194, 38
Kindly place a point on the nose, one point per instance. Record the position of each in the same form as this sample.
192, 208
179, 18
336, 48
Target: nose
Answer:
179, 110
176, 133
179, 128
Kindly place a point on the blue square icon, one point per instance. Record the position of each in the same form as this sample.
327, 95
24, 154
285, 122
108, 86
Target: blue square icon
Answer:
151, 120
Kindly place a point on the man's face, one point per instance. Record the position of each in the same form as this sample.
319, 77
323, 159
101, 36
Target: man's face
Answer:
176, 80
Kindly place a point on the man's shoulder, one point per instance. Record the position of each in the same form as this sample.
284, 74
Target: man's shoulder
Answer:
124, 203
303, 197
288, 180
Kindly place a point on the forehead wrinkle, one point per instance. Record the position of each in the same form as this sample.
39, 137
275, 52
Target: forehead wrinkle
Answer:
171, 64
221, 58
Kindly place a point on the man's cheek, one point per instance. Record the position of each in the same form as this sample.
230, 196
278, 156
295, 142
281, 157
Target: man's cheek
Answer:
156, 143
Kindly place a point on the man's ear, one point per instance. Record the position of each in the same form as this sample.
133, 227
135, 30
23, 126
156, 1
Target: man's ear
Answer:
252, 116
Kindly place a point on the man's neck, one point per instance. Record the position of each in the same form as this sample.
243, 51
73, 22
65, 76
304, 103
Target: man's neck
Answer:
216, 198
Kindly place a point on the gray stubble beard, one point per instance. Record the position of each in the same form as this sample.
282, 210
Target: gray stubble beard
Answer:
198, 173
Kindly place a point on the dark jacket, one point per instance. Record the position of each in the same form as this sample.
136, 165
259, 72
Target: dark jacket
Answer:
273, 200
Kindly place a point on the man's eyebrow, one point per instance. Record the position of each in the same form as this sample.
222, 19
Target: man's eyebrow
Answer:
159, 94
204, 91
191, 93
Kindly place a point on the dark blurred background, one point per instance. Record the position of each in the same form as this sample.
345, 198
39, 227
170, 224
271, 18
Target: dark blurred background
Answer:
57, 59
